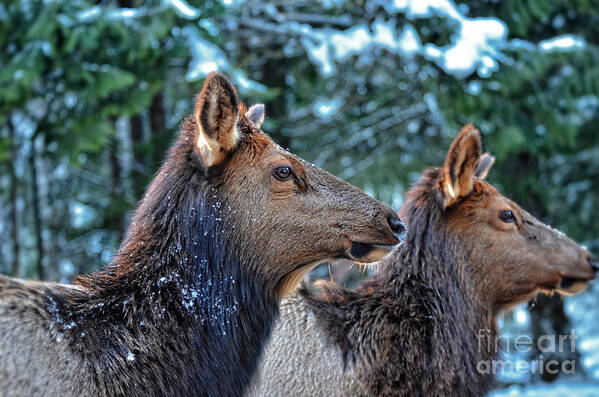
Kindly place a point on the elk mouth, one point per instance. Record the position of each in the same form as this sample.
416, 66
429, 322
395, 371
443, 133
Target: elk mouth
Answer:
570, 285
368, 252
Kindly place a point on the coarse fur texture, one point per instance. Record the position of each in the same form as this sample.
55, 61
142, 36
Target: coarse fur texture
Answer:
189, 299
421, 326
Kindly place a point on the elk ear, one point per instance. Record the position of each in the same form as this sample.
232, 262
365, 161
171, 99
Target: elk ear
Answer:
256, 115
484, 165
460, 165
216, 119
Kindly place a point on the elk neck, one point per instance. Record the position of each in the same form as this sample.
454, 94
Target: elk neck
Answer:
178, 285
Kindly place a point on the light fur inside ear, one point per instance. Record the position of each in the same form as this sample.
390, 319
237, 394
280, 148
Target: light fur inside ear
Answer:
484, 165
208, 148
216, 116
256, 115
450, 192
460, 165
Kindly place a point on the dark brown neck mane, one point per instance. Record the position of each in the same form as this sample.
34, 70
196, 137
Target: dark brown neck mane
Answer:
174, 313
414, 328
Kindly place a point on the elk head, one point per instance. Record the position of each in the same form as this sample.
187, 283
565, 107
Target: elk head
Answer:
282, 214
511, 254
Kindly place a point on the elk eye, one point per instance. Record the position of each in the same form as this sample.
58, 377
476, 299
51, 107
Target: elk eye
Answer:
507, 216
283, 173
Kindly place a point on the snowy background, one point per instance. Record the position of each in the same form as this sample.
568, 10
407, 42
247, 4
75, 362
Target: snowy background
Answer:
91, 94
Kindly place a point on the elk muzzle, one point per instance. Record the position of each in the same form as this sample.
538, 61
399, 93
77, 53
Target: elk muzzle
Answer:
574, 282
374, 252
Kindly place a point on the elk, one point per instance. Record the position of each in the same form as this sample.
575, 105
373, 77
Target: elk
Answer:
228, 226
421, 326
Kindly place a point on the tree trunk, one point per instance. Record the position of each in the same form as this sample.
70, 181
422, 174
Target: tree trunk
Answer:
158, 129
275, 72
139, 158
37, 218
16, 244
116, 219
115, 166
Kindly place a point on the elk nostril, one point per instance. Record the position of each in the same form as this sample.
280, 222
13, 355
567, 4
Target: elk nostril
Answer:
396, 224
594, 264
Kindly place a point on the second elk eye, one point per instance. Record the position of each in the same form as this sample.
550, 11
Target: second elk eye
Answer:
507, 216
283, 173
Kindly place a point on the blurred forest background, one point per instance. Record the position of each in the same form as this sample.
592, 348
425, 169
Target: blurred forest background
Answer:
92, 93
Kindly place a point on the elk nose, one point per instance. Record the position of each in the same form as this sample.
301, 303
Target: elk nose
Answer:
594, 264
397, 226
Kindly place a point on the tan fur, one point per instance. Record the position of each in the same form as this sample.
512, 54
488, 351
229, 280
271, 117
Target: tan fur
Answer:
32, 344
294, 279
298, 356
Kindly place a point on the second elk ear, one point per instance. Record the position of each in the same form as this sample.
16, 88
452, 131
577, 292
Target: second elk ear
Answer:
256, 115
484, 165
460, 165
216, 119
